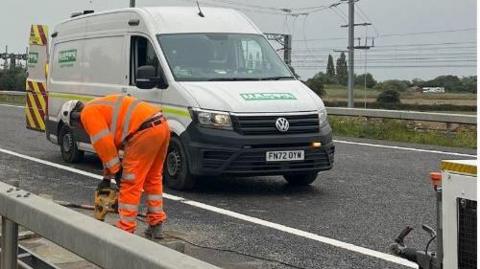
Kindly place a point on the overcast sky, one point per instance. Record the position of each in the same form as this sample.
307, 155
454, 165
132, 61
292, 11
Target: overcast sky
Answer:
400, 26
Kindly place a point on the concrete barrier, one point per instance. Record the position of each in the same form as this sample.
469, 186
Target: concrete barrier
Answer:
95, 241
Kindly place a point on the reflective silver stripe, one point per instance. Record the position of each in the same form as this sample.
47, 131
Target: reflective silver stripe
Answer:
128, 219
99, 135
129, 207
128, 116
116, 112
156, 209
112, 162
154, 197
128, 176
102, 102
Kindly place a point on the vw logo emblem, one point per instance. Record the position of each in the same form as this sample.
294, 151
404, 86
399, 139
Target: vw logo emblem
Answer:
282, 125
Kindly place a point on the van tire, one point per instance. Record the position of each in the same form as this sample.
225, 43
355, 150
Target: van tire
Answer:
300, 179
175, 169
68, 146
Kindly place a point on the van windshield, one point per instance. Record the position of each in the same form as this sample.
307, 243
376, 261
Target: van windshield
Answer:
222, 57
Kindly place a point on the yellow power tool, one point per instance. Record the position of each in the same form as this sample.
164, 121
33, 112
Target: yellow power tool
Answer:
106, 201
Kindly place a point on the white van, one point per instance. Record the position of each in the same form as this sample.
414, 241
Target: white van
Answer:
233, 106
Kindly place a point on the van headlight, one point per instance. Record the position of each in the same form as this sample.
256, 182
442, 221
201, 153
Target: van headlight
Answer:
213, 119
322, 116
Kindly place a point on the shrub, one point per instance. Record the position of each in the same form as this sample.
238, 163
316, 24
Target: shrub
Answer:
389, 97
360, 80
13, 79
316, 86
394, 84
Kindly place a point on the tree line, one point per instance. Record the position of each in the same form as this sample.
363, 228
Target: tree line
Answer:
13, 78
338, 75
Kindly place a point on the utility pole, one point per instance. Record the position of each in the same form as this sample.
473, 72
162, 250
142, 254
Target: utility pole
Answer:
285, 40
5, 58
351, 37
351, 48
132, 3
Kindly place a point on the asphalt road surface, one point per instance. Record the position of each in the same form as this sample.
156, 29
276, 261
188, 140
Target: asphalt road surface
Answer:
364, 202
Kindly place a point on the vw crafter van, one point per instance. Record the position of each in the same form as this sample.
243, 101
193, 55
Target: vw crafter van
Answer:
233, 106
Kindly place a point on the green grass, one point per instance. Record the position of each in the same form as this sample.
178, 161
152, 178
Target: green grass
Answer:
340, 91
336, 93
9, 99
397, 130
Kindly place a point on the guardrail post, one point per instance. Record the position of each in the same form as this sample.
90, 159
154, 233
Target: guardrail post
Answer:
9, 244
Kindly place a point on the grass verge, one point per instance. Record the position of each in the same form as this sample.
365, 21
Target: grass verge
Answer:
397, 130
11, 99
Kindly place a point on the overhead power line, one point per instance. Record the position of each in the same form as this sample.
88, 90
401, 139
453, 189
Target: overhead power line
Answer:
246, 5
402, 34
392, 54
431, 32
254, 8
367, 18
412, 46
427, 44
340, 14
393, 67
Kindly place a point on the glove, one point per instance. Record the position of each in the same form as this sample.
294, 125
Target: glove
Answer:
105, 184
118, 177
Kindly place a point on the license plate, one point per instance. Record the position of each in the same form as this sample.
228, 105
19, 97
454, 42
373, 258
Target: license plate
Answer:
287, 155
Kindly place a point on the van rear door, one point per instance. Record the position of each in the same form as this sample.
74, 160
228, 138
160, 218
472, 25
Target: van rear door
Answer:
36, 88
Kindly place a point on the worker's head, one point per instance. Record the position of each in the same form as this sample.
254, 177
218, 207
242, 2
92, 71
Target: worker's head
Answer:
71, 113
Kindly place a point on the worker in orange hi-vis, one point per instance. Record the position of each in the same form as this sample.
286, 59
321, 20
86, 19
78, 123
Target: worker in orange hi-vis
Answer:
123, 122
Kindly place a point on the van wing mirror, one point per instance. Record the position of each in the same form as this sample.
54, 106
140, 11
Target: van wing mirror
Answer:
147, 79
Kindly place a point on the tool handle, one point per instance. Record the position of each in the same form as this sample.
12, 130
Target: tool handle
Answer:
403, 234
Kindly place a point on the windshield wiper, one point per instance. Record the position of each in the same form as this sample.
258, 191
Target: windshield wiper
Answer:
232, 79
278, 78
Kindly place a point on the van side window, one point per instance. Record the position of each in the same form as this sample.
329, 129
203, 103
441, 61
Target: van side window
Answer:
142, 53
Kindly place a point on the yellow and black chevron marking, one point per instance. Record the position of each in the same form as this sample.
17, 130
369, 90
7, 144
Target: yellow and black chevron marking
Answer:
38, 35
460, 168
36, 105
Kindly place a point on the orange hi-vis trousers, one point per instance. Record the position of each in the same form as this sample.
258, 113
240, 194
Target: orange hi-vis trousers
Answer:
144, 155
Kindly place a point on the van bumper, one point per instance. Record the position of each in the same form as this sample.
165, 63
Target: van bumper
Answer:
225, 152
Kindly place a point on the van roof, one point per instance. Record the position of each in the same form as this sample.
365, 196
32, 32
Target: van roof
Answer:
170, 19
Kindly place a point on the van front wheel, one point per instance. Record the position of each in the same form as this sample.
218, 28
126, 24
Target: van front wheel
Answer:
175, 169
300, 179
68, 146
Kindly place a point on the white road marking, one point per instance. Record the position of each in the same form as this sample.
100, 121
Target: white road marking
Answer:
8, 105
405, 148
272, 225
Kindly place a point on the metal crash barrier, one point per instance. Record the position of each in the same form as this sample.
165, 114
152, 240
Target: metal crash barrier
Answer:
373, 113
403, 115
95, 241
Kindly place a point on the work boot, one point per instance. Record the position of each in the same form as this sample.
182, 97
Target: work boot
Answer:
154, 232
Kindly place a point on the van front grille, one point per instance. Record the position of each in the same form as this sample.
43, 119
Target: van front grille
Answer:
467, 234
265, 125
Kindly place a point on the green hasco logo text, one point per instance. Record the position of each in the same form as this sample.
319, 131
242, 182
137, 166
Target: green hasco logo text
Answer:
267, 96
32, 57
67, 57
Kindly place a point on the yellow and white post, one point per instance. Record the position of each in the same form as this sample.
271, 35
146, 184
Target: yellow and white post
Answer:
36, 98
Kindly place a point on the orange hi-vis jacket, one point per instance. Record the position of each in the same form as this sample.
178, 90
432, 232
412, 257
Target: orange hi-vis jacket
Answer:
109, 121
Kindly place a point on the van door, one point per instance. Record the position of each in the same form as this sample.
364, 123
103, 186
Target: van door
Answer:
36, 97
143, 53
